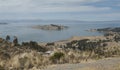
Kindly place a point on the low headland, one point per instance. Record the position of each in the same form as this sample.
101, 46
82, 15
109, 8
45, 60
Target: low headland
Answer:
36, 56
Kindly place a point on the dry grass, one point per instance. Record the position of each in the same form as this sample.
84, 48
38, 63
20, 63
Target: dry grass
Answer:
117, 67
26, 60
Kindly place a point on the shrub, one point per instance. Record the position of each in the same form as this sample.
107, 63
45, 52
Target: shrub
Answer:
56, 57
34, 46
50, 44
7, 38
2, 68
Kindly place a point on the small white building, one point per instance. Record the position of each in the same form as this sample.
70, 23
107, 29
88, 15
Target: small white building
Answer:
47, 53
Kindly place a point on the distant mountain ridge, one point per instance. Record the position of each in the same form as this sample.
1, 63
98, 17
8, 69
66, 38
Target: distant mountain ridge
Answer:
55, 20
3, 23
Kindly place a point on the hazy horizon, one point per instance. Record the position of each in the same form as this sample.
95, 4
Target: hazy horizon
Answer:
58, 20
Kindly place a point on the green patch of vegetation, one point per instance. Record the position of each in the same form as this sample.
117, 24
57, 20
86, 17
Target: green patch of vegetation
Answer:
50, 44
56, 57
2, 68
117, 38
86, 44
33, 45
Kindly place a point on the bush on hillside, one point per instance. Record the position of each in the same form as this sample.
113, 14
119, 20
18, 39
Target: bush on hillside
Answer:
34, 45
56, 57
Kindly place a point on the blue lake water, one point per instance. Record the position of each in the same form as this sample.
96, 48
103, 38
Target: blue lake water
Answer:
22, 30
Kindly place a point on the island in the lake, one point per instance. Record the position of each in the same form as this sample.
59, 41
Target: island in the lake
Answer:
50, 27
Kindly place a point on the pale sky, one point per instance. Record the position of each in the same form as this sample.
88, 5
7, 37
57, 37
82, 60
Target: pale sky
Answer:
89, 10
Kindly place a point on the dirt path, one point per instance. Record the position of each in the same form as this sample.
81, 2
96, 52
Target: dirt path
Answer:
104, 64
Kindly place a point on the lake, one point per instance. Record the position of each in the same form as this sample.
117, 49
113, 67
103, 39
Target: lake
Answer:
22, 30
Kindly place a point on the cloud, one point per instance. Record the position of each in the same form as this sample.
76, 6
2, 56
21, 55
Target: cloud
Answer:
111, 15
48, 6
118, 5
108, 16
95, 16
60, 9
42, 2
56, 9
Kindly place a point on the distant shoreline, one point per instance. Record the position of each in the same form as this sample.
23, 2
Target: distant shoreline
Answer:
3, 23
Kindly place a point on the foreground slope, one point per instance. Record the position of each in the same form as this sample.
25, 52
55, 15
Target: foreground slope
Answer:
103, 64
